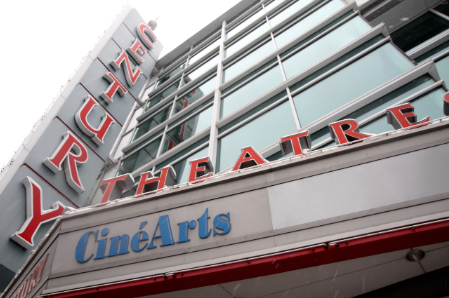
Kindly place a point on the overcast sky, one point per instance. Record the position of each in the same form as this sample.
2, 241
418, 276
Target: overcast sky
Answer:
43, 42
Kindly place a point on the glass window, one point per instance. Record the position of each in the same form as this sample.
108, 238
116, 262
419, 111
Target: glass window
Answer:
150, 123
418, 31
326, 45
287, 12
139, 158
207, 37
249, 60
378, 105
188, 129
155, 99
245, 10
433, 52
242, 42
182, 153
245, 23
170, 74
193, 95
182, 168
308, 22
273, 4
427, 105
204, 51
443, 8
251, 91
200, 70
257, 109
347, 84
181, 119
443, 69
272, 126
171, 63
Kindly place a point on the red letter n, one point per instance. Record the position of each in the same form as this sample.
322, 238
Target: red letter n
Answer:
131, 77
114, 87
96, 134
149, 183
346, 131
35, 214
62, 153
248, 158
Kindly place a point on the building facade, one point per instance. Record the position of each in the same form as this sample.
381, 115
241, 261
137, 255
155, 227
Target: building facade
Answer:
288, 149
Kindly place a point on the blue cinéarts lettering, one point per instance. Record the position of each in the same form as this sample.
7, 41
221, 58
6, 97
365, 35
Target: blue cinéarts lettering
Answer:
162, 236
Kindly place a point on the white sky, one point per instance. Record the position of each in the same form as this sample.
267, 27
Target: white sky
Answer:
43, 42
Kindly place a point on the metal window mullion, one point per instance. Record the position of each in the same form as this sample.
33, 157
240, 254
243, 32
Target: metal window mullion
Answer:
182, 157
269, 67
292, 105
252, 117
162, 142
441, 15
213, 138
190, 116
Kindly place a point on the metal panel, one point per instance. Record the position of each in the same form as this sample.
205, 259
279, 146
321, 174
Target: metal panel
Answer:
390, 181
94, 83
132, 21
249, 214
111, 52
45, 147
12, 211
124, 38
73, 104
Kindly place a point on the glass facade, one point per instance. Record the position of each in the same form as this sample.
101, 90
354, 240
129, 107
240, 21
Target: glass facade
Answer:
281, 66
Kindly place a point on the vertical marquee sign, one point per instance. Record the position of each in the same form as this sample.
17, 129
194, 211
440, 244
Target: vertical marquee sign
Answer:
60, 169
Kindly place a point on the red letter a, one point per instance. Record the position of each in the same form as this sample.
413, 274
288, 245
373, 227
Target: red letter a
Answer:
35, 214
249, 158
62, 153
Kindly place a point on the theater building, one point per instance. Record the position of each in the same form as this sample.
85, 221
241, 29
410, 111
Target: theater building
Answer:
288, 149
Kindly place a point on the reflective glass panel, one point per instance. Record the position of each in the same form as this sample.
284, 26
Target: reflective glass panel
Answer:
251, 91
378, 105
187, 129
443, 8
325, 46
308, 22
427, 105
150, 123
443, 69
139, 158
248, 60
204, 51
433, 52
289, 11
182, 153
246, 39
181, 119
347, 84
182, 168
188, 98
200, 70
170, 74
259, 133
159, 97
274, 4
245, 23
418, 31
